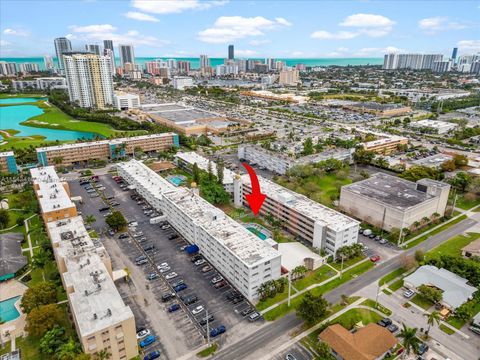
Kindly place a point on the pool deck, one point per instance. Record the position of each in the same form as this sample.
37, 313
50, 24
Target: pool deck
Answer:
13, 288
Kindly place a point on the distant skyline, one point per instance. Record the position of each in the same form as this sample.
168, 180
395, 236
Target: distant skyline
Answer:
283, 29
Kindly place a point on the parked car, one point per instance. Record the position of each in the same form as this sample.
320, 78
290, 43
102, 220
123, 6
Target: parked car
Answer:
372, 236
231, 295
290, 357
254, 316
198, 310
199, 262
153, 355
173, 307
105, 208
141, 257
385, 322
217, 331
383, 241
189, 300
141, 334
408, 293
150, 339
164, 227
247, 311
164, 269
173, 237
374, 258
152, 276
178, 282
196, 258
166, 297
475, 329
204, 320
141, 262
149, 248
206, 268
392, 328
171, 275
132, 224
162, 265
216, 279
180, 287
422, 349
123, 236
237, 299
220, 284
367, 232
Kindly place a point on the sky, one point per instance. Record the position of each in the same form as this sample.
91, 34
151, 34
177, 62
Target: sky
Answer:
282, 29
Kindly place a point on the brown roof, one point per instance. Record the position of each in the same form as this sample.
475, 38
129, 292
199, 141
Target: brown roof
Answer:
474, 246
367, 343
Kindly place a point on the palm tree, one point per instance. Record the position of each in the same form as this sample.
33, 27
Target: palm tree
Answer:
409, 340
103, 355
435, 216
128, 274
425, 220
416, 224
432, 319
90, 219
69, 350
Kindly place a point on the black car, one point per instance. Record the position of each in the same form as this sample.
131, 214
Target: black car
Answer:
247, 311
392, 328
166, 297
196, 258
232, 295
178, 282
203, 322
237, 299
172, 237
189, 300
385, 322
123, 236
148, 247
105, 208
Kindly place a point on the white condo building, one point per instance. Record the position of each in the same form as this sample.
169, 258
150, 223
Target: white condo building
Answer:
89, 80
182, 82
241, 257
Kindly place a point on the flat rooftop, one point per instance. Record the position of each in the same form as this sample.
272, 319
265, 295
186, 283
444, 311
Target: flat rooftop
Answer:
103, 142
377, 106
6, 153
302, 204
202, 162
95, 300
51, 193
11, 257
177, 112
390, 190
383, 141
236, 238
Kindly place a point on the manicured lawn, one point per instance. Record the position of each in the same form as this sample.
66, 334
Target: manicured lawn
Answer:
208, 351
387, 292
371, 303
6, 348
353, 316
314, 277
422, 302
473, 306
465, 204
446, 329
389, 277
434, 232
283, 309
346, 263
270, 301
452, 246
396, 285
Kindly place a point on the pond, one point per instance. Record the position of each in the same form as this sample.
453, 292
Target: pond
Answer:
19, 100
12, 116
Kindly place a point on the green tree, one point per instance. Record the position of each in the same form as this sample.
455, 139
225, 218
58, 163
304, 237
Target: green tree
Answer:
430, 293
69, 350
196, 174
460, 160
323, 351
461, 181
410, 341
362, 156
42, 319
83, 356
52, 340
209, 171
308, 146
312, 308
90, 219
418, 172
116, 220
43, 293
433, 318
4, 218
220, 168
448, 166
419, 255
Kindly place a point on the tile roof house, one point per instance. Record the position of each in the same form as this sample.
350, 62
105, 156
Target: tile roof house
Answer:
455, 289
368, 343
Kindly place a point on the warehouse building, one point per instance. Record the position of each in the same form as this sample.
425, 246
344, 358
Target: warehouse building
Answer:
78, 153
388, 202
322, 227
242, 258
436, 126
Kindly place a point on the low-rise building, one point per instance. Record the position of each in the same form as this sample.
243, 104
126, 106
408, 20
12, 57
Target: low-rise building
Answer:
471, 250
242, 258
388, 202
182, 82
8, 164
385, 145
186, 160
308, 220
11, 257
280, 163
370, 342
455, 289
77, 153
382, 110
435, 126
125, 101
53, 195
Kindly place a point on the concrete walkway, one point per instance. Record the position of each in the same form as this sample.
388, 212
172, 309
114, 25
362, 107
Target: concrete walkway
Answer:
313, 286
28, 236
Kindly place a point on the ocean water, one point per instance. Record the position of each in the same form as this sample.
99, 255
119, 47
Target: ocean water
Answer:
194, 62
11, 117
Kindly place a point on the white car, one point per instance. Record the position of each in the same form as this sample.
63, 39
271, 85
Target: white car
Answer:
162, 265
408, 294
133, 224
172, 275
197, 310
143, 333
164, 227
200, 262
164, 269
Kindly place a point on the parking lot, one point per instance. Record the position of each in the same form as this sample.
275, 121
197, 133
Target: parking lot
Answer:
385, 251
298, 351
184, 329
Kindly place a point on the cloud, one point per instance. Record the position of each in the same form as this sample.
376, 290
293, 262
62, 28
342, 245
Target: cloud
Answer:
135, 15
370, 25
16, 32
173, 6
107, 31
440, 23
339, 52
367, 21
469, 46
364, 52
245, 53
230, 28
4, 43
297, 53
326, 35
283, 21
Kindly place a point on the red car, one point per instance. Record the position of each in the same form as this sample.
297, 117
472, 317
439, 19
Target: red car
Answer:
375, 258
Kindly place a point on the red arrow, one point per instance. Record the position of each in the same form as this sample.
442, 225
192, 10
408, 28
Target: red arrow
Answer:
256, 198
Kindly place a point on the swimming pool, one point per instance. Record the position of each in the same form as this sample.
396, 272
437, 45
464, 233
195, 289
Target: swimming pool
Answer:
8, 310
261, 235
176, 180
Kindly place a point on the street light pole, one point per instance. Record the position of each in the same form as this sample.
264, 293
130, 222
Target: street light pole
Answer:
289, 286
341, 268
376, 297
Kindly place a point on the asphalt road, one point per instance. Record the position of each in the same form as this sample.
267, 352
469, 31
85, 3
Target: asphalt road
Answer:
257, 340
